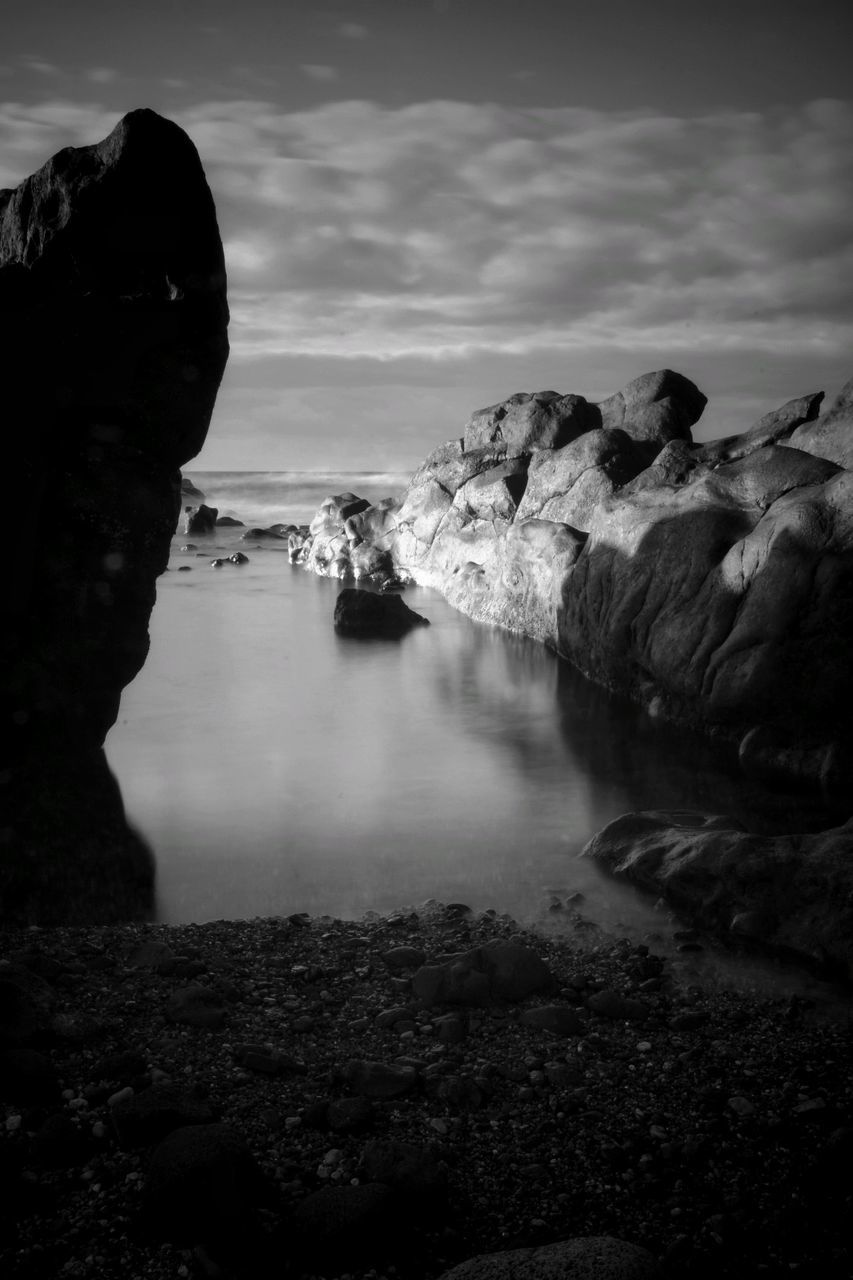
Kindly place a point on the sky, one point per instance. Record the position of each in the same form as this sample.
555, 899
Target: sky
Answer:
428, 205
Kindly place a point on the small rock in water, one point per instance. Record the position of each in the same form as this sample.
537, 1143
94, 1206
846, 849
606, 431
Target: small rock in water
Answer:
363, 613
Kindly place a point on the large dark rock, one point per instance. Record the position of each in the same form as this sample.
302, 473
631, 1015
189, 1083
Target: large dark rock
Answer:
789, 894
204, 1188
201, 519
113, 330
363, 613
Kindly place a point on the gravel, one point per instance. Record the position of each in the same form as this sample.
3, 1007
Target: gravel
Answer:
711, 1127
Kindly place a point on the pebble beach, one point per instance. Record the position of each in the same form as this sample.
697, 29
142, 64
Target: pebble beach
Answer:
306, 1097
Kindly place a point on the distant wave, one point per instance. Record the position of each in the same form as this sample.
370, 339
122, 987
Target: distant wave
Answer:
267, 497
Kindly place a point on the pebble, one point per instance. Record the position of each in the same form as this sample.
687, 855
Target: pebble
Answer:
741, 1106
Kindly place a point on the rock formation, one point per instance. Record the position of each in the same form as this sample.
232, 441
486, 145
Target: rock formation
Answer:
697, 579
790, 894
113, 322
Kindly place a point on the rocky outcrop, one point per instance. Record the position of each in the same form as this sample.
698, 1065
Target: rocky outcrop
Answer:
697, 579
788, 894
113, 324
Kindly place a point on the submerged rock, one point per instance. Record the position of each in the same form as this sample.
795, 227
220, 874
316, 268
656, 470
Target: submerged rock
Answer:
363, 613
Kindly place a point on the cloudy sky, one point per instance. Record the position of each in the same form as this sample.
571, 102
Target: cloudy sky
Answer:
430, 204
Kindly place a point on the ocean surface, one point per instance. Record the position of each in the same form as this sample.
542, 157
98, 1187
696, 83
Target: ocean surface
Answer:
275, 767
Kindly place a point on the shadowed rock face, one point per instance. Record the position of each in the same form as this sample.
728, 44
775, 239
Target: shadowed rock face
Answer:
711, 583
113, 322
791, 894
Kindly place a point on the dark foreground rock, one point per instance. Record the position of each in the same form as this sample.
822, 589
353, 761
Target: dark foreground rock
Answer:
589, 1258
113, 330
363, 613
790, 894
697, 579
704, 1132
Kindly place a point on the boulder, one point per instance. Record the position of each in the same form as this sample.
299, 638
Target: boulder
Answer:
113, 323
196, 1006
497, 971
584, 1258
557, 1019
831, 435
204, 1188
200, 520
146, 1118
335, 1228
229, 522
655, 408
414, 1172
255, 534
379, 1079
365, 614
543, 420
788, 894
568, 484
494, 494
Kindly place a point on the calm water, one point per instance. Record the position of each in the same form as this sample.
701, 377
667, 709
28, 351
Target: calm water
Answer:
276, 767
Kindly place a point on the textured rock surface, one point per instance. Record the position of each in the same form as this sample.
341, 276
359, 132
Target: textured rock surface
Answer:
585, 1258
831, 436
113, 328
696, 579
791, 893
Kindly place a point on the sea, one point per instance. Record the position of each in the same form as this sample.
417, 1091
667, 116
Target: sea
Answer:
275, 767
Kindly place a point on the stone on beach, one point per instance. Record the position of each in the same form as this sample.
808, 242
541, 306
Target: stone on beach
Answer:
204, 1187
584, 1258
496, 971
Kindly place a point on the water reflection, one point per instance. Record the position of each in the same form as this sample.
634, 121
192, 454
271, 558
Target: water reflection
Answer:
276, 766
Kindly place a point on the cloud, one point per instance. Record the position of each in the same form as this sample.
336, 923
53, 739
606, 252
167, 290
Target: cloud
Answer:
445, 232
352, 31
41, 67
441, 228
315, 71
101, 75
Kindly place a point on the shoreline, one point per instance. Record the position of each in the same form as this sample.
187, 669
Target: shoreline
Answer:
710, 1127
